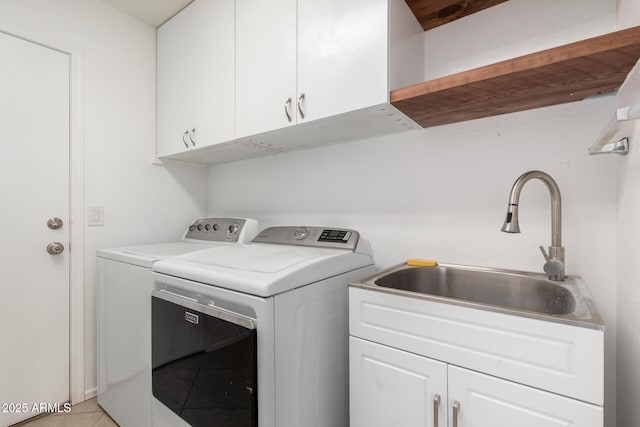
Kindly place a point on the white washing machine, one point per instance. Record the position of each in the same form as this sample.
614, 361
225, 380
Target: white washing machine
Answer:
256, 335
124, 313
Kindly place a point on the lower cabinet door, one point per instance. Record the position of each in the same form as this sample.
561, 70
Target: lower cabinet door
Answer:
390, 387
478, 400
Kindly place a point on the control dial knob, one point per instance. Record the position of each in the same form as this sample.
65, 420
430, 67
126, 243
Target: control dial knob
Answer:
233, 229
300, 233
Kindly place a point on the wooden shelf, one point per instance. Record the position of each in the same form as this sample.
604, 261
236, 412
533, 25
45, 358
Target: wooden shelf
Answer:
433, 13
555, 76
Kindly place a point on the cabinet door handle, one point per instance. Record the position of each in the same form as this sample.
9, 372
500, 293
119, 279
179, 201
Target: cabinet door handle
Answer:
184, 136
456, 411
287, 106
300, 101
436, 406
191, 135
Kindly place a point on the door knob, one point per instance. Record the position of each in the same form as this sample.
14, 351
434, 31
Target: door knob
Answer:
54, 223
55, 248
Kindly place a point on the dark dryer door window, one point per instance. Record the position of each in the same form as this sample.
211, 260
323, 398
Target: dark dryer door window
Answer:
204, 363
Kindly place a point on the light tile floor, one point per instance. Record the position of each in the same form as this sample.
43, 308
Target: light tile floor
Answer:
85, 414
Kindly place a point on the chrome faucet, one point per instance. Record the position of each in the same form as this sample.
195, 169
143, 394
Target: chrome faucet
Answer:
554, 265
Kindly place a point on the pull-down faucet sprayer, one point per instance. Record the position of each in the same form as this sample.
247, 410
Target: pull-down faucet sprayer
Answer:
554, 266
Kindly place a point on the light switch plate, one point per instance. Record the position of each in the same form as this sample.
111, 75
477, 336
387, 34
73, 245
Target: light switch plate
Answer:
95, 216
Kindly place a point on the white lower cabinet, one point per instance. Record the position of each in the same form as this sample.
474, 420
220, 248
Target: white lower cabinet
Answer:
391, 387
486, 401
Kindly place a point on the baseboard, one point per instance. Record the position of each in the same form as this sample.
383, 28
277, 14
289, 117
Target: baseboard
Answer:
90, 394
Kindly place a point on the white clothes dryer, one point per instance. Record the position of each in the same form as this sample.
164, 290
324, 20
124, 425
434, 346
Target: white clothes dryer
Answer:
124, 313
257, 334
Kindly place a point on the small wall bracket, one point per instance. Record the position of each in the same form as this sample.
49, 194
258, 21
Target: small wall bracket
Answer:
620, 146
615, 137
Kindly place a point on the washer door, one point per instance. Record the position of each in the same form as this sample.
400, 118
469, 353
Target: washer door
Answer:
204, 362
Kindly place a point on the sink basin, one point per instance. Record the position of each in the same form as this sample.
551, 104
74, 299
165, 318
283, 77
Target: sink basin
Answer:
486, 287
516, 292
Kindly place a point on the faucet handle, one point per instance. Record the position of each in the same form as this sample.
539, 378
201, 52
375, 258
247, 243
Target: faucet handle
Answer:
544, 254
553, 266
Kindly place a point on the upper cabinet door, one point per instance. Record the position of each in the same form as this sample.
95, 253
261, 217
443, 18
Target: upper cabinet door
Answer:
173, 53
265, 65
196, 77
342, 56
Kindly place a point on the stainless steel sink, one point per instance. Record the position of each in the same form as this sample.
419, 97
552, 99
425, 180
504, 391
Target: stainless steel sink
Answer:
514, 292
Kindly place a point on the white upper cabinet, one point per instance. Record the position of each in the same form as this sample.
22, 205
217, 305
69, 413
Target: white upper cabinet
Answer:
196, 77
310, 60
265, 65
342, 56
257, 77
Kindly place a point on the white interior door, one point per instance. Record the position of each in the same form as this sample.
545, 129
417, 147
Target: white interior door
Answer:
34, 186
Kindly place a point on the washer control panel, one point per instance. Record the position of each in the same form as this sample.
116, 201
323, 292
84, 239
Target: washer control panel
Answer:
322, 237
337, 236
215, 229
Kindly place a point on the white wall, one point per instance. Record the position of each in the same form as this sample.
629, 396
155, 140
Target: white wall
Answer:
628, 291
514, 28
441, 193
143, 202
628, 339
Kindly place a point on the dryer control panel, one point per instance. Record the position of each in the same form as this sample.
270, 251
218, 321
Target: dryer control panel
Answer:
221, 230
322, 237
